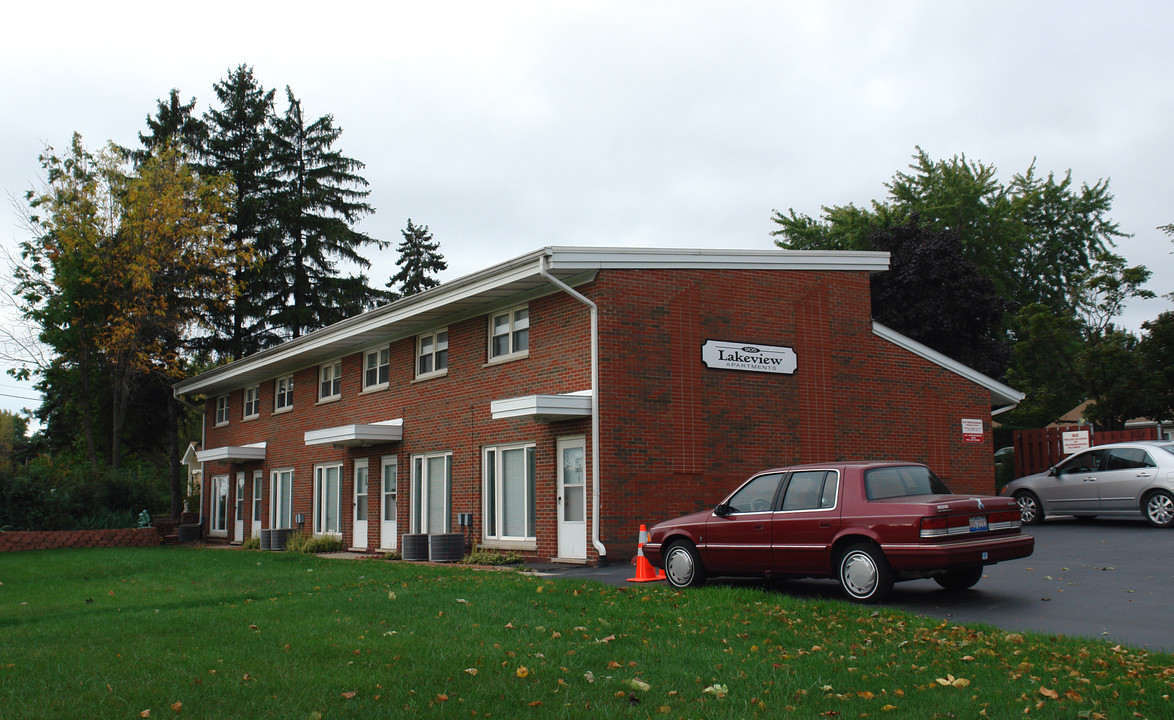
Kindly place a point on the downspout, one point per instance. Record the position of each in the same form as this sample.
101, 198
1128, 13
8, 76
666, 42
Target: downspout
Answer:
594, 403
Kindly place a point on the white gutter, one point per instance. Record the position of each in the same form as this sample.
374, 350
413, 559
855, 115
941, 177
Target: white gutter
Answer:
594, 401
203, 469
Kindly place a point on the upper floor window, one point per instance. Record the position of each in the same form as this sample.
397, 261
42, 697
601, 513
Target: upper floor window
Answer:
222, 410
252, 401
376, 365
432, 353
330, 381
283, 393
509, 333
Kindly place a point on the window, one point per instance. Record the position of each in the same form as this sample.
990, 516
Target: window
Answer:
281, 499
376, 367
390, 466
219, 522
902, 481
431, 488
811, 490
509, 333
755, 496
509, 493
330, 381
283, 394
327, 499
1129, 459
222, 410
252, 401
432, 353
258, 498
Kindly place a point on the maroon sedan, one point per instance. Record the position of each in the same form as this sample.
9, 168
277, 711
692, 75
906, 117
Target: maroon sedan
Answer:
868, 524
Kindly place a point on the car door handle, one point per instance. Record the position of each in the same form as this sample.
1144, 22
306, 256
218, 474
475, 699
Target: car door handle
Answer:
1145, 475
760, 526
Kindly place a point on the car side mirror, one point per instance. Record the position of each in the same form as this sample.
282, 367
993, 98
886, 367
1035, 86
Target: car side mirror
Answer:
722, 510
1054, 471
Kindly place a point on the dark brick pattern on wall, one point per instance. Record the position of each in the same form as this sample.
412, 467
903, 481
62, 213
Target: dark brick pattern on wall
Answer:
675, 436
49, 540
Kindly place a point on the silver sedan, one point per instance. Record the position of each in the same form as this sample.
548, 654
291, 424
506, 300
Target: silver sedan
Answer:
1119, 480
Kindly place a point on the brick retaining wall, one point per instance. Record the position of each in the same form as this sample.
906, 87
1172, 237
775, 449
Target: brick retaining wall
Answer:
46, 540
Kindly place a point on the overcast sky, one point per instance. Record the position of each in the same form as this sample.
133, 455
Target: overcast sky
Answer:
508, 126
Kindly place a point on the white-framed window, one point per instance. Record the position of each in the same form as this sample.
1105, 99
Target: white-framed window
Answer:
330, 381
222, 410
219, 501
376, 368
390, 488
432, 353
509, 492
509, 332
283, 394
258, 497
252, 402
327, 499
431, 492
281, 498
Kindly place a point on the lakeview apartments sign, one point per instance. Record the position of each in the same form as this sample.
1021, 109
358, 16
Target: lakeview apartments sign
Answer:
725, 355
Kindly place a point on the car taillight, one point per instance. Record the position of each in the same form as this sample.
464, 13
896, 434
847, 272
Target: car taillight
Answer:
951, 525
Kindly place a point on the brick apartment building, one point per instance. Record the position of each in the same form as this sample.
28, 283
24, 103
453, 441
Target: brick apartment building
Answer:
556, 401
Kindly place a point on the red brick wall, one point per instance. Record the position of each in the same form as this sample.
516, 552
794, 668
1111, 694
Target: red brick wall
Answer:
48, 540
675, 436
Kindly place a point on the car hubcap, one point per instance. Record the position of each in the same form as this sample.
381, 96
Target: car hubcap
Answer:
1026, 508
679, 566
1161, 509
860, 574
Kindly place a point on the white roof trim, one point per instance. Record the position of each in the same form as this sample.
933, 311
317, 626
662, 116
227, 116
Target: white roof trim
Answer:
363, 435
476, 292
1000, 394
543, 407
233, 453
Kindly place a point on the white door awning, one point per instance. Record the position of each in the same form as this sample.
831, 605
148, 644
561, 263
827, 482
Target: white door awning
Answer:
544, 408
358, 435
232, 453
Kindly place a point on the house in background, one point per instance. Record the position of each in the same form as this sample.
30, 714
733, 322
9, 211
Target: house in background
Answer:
1075, 416
553, 403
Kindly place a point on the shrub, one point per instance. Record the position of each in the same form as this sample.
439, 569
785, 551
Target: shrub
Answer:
312, 544
481, 556
253, 543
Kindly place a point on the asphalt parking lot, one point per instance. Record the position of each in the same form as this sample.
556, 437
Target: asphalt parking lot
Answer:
1103, 579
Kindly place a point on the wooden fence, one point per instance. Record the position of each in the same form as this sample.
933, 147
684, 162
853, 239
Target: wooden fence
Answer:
1038, 450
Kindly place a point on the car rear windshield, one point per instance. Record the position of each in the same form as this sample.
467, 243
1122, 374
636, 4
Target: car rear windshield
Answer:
902, 481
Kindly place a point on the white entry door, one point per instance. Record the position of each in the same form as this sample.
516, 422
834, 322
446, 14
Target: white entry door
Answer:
388, 505
359, 541
238, 530
572, 498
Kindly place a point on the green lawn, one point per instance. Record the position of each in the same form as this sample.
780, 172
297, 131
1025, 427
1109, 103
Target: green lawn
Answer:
179, 632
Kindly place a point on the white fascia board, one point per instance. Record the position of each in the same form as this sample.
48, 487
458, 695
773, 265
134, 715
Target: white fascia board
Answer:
232, 453
1000, 393
569, 405
578, 258
358, 434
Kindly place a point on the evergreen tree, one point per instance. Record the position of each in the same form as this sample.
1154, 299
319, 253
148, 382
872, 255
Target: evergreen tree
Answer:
174, 125
419, 261
238, 146
319, 197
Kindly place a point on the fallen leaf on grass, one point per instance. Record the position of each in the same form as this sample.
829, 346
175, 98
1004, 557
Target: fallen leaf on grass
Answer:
637, 684
349, 694
522, 671
607, 639
1048, 693
951, 681
718, 691
177, 706
471, 671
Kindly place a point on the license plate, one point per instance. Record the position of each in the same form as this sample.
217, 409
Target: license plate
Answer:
978, 523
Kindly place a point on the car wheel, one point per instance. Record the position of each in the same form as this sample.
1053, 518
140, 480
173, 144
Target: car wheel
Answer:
959, 579
1030, 511
682, 565
1159, 509
864, 574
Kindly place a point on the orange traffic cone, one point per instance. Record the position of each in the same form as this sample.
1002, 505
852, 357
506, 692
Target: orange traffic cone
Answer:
644, 569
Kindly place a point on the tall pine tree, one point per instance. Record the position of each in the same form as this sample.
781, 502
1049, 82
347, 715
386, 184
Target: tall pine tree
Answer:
318, 198
419, 261
238, 145
174, 125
